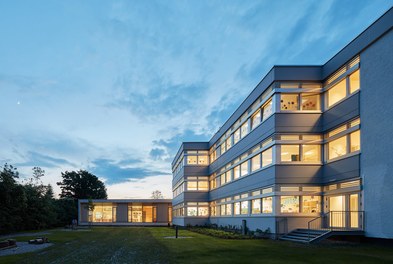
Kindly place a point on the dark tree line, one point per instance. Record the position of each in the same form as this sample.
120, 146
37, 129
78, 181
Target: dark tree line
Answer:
31, 205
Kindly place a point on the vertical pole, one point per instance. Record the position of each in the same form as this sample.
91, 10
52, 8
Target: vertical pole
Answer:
177, 231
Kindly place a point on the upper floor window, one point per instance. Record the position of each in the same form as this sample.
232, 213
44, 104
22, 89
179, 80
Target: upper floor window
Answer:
304, 102
347, 82
345, 140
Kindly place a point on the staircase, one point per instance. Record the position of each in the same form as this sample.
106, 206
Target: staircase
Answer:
305, 235
347, 223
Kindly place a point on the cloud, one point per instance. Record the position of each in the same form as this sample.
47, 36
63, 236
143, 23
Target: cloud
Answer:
113, 172
41, 160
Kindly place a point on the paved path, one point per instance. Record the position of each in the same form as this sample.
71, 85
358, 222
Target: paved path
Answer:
23, 247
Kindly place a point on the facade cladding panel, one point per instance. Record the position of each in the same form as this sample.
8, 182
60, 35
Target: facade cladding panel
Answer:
307, 142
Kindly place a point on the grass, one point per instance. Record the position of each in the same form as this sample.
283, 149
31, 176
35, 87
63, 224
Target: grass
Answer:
149, 245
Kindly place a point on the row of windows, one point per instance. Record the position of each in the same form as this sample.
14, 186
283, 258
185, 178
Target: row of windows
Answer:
288, 204
200, 183
260, 115
340, 85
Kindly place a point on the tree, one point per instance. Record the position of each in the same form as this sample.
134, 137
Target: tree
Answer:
157, 194
81, 185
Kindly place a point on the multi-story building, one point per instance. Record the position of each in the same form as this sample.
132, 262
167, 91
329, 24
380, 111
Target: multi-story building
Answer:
310, 145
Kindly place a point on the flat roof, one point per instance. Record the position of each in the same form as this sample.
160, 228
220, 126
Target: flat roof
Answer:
126, 200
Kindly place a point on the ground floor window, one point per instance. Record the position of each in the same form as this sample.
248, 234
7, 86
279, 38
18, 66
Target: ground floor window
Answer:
290, 204
103, 213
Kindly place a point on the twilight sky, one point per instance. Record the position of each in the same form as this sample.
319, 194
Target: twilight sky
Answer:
114, 87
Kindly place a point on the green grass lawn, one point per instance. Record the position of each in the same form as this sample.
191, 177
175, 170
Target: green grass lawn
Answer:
149, 245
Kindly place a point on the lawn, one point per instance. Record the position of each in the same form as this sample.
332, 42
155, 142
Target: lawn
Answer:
149, 245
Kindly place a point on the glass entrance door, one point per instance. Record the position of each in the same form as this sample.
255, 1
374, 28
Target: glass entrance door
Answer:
337, 211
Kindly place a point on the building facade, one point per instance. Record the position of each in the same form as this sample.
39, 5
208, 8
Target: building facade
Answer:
308, 141
146, 212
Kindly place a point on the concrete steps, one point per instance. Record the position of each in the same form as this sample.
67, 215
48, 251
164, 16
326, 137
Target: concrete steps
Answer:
304, 235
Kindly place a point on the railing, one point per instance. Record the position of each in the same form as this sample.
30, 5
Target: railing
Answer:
337, 221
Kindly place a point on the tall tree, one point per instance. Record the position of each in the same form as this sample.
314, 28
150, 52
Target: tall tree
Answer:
157, 194
81, 185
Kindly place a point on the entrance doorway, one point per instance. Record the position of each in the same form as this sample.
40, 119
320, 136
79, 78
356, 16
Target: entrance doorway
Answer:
337, 211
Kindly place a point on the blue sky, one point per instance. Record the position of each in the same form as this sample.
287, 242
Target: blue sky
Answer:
114, 86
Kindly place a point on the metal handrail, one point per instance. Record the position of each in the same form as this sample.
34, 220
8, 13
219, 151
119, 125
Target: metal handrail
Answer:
337, 220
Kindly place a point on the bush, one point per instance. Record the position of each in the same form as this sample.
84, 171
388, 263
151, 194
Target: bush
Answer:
217, 233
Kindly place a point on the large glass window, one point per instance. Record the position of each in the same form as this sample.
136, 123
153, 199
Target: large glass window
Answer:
311, 204
192, 160
236, 172
102, 213
237, 208
354, 81
310, 102
289, 204
267, 110
337, 92
267, 157
267, 205
192, 186
244, 129
228, 209
229, 142
223, 179
203, 185
202, 160
203, 211
337, 147
192, 211
289, 101
228, 176
236, 136
244, 207
355, 141
256, 119
256, 206
311, 153
223, 212
244, 168
136, 213
290, 153
147, 214
256, 162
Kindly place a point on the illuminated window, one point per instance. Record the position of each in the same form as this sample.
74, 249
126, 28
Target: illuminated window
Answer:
355, 141
223, 148
244, 168
192, 186
236, 136
354, 81
203, 185
244, 207
237, 208
267, 205
228, 209
191, 160
311, 153
290, 153
256, 162
310, 102
256, 206
223, 209
192, 211
337, 93
337, 147
228, 176
267, 157
289, 101
256, 119
203, 211
102, 213
267, 110
223, 179
311, 204
289, 204
244, 129
202, 160
236, 172
229, 142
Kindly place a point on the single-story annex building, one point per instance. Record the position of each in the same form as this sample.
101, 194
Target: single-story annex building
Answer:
147, 212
